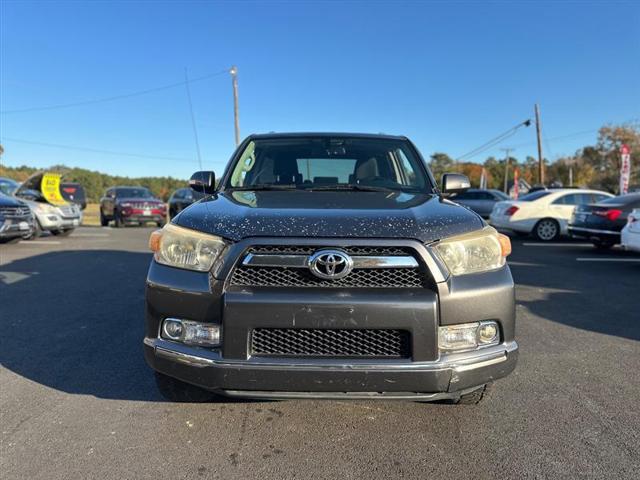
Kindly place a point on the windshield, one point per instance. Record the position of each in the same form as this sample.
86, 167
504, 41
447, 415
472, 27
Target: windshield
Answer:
8, 186
131, 192
529, 197
325, 163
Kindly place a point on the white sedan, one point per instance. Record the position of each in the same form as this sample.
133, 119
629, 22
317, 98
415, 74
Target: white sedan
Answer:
543, 213
630, 235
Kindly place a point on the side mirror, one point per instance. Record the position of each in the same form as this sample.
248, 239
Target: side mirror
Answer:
203, 182
455, 183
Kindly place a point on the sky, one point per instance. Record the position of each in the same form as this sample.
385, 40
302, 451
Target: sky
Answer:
449, 75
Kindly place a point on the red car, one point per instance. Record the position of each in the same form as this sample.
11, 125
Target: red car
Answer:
128, 205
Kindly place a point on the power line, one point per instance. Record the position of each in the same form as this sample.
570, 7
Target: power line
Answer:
494, 141
193, 118
96, 150
112, 98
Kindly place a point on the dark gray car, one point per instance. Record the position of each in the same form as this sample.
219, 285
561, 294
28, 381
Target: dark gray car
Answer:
329, 266
479, 200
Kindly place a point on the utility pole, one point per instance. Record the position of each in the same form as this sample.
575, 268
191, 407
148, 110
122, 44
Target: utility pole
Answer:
539, 136
506, 167
236, 121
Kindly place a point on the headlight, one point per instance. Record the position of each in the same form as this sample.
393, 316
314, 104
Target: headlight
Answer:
184, 248
125, 204
474, 252
45, 208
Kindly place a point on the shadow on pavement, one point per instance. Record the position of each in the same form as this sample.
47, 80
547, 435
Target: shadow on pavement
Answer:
596, 296
73, 321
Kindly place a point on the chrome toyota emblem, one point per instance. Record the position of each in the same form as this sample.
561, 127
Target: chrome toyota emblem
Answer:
330, 264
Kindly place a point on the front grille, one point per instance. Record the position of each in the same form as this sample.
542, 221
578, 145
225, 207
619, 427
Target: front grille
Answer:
14, 212
300, 342
68, 211
298, 277
284, 276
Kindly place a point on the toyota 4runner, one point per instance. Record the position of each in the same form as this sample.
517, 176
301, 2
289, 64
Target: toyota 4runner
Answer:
329, 266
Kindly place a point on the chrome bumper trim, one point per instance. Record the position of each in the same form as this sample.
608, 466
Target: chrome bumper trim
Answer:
592, 230
460, 362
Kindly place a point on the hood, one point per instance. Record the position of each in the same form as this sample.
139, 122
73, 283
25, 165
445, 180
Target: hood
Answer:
241, 214
7, 201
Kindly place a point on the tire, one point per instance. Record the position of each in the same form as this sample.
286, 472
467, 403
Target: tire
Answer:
602, 244
547, 230
37, 230
118, 223
174, 390
104, 221
472, 398
161, 224
63, 233
9, 241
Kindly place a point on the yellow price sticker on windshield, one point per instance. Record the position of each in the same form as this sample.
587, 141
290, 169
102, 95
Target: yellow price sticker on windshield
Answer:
50, 187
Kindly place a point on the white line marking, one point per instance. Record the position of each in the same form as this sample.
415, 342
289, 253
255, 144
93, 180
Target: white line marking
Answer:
583, 259
557, 244
39, 242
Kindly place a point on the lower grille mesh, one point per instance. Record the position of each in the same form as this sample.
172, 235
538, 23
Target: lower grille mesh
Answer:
330, 343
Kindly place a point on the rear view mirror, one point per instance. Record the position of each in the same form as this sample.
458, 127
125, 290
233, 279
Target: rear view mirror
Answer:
455, 183
203, 182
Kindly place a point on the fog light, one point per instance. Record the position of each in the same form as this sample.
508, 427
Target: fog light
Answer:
468, 336
488, 333
191, 333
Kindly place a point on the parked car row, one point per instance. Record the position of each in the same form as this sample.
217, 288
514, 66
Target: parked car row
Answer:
548, 214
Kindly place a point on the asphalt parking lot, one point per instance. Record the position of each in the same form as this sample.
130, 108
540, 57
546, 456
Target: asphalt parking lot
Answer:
78, 401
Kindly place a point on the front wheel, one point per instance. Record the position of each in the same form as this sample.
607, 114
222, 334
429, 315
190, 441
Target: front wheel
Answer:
63, 233
175, 390
603, 244
472, 398
104, 221
547, 230
118, 223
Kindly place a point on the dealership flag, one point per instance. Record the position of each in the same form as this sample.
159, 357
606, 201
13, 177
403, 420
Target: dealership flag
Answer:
625, 169
516, 183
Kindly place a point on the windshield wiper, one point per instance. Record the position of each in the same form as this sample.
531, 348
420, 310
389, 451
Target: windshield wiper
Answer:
264, 186
348, 187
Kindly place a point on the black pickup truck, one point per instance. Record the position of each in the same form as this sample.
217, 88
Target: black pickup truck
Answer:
329, 265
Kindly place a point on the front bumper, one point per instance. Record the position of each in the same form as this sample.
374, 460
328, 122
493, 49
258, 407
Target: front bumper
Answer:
140, 218
445, 378
50, 221
594, 233
233, 370
16, 227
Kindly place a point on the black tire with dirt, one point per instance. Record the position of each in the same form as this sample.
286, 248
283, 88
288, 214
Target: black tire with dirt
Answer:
37, 231
546, 230
63, 233
472, 398
104, 221
117, 220
174, 390
603, 244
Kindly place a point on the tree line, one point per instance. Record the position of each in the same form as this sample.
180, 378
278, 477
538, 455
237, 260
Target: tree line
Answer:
595, 166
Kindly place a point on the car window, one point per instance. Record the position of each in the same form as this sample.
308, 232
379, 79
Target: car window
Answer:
498, 195
329, 161
630, 200
573, 199
178, 195
485, 196
463, 196
530, 197
133, 192
598, 197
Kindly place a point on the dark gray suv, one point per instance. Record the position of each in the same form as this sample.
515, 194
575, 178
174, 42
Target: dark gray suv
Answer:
329, 266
